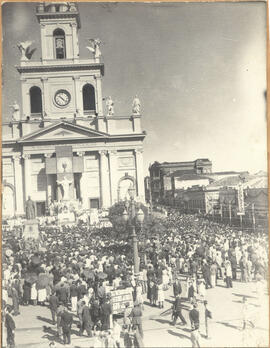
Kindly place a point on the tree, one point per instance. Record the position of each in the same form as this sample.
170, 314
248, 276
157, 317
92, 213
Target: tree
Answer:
152, 226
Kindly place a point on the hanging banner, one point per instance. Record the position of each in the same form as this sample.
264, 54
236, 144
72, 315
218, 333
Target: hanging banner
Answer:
241, 201
64, 159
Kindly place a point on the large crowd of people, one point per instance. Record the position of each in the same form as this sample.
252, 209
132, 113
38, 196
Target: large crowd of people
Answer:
76, 267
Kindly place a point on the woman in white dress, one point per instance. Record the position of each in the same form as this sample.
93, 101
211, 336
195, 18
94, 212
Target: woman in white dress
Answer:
34, 294
41, 296
165, 279
170, 275
160, 295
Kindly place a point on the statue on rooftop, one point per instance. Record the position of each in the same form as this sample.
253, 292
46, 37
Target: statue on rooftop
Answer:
15, 111
25, 49
136, 106
110, 106
95, 48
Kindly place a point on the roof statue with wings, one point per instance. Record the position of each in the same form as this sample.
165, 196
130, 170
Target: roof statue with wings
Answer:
15, 111
136, 106
95, 48
25, 49
110, 106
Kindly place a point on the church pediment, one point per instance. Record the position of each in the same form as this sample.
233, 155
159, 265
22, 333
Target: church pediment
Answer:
62, 131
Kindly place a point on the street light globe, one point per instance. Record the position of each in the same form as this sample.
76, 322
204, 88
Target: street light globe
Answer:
140, 216
125, 216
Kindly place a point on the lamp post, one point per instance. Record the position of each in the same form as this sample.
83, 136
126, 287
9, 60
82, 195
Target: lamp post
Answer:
131, 217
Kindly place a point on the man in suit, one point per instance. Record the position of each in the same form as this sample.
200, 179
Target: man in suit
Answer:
81, 290
136, 316
63, 295
106, 311
10, 326
95, 312
177, 288
66, 323
86, 320
53, 303
177, 310
206, 274
101, 293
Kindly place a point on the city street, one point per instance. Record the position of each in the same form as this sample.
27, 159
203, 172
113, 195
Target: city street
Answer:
34, 327
135, 206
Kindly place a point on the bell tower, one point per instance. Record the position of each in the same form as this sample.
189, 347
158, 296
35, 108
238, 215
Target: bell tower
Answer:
60, 85
59, 22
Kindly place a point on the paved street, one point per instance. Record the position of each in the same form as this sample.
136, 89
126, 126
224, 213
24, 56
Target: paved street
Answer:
34, 328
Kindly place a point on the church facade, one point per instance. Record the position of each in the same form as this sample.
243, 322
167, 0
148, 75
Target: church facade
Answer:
60, 144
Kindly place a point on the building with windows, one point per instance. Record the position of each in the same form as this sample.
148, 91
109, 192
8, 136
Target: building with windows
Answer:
60, 145
161, 174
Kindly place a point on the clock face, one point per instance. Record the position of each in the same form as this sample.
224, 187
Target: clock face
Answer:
62, 98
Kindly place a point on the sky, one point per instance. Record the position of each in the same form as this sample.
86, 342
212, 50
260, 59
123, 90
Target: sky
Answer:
199, 70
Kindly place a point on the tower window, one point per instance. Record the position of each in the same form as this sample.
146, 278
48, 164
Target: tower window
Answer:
35, 100
89, 102
59, 43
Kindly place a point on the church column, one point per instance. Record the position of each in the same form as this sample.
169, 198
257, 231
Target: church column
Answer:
113, 174
27, 175
99, 107
45, 96
78, 95
25, 99
49, 182
74, 41
104, 185
139, 172
18, 184
80, 154
43, 43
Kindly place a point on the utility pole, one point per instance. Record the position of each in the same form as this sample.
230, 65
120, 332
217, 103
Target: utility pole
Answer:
150, 191
221, 212
241, 221
230, 213
253, 217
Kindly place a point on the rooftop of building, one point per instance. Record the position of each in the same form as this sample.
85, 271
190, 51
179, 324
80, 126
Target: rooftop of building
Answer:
247, 180
190, 176
182, 163
227, 173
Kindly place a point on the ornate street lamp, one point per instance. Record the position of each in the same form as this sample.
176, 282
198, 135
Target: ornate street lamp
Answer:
130, 215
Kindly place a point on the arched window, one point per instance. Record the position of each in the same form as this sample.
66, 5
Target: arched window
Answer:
35, 100
59, 44
89, 102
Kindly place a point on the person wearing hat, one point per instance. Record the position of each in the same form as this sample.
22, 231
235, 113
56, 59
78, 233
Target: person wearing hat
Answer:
95, 312
177, 311
194, 318
106, 311
66, 323
53, 304
136, 317
177, 288
86, 320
